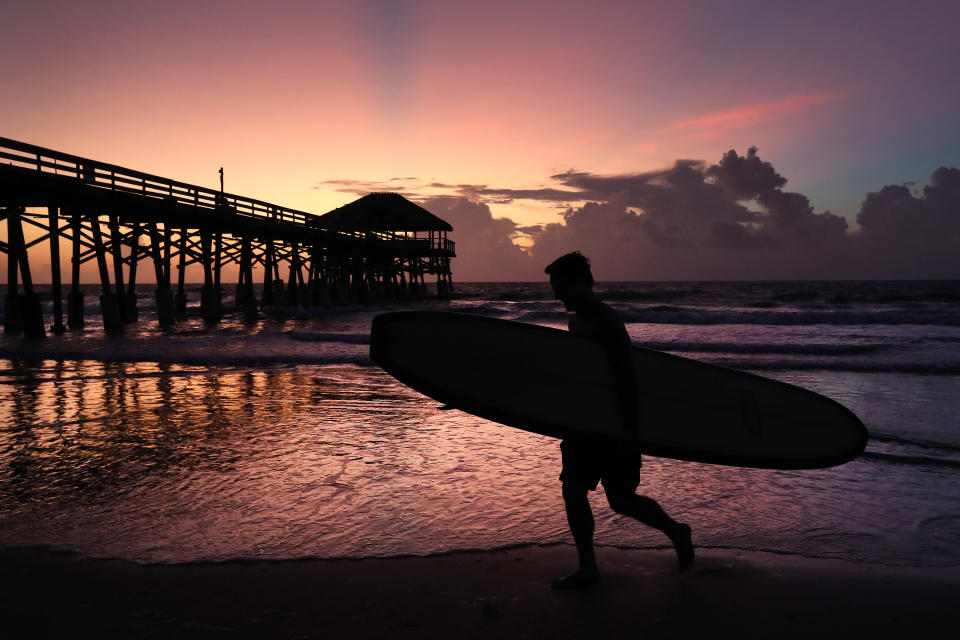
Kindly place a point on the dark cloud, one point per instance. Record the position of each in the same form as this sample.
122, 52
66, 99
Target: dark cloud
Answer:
916, 234
610, 234
414, 188
745, 177
485, 248
730, 220
456, 188
505, 196
531, 229
734, 220
790, 220
361, 187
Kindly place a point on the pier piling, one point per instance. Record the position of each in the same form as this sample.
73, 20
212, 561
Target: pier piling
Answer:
180, 302
109, 309
75, 299
56, 286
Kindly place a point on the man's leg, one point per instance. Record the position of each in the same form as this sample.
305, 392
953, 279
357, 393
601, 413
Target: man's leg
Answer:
580, 519
649, 512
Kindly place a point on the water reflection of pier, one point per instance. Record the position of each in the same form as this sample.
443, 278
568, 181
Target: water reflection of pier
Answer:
377, 248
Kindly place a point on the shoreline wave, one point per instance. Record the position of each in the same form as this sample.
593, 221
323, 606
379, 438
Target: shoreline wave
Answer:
61, 550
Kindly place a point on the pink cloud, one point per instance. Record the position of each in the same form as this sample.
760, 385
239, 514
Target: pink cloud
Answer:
716, 122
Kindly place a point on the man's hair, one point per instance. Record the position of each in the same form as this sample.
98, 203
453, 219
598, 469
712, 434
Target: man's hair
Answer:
572, 266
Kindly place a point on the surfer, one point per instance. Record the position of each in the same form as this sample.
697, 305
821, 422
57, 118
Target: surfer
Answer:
589, 461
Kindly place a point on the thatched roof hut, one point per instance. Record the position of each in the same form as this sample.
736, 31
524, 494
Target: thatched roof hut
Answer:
382, 212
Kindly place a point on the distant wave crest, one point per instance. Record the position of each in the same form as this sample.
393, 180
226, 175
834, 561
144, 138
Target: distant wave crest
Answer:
911, 459
665, 314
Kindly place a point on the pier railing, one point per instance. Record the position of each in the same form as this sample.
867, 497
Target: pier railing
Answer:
115, 178
408, 242
101, 175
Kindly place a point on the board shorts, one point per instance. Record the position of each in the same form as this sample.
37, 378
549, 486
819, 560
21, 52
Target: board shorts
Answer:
591, 461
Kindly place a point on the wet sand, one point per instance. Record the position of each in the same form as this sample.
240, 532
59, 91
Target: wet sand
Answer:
502, 594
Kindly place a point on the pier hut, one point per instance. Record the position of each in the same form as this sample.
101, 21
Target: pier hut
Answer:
415, 240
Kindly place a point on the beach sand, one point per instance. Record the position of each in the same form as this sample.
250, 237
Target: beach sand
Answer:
499, 594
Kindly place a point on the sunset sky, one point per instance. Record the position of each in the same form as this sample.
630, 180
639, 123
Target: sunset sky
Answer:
486, 111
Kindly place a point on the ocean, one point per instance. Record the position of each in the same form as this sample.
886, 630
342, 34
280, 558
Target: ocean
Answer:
280, 439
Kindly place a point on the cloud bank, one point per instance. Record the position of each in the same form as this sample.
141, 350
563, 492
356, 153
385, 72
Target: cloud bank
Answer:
692, 221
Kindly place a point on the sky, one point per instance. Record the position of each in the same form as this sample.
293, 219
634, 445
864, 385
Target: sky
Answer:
666, 140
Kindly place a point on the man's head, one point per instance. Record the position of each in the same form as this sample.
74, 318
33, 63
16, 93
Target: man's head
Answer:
571, 279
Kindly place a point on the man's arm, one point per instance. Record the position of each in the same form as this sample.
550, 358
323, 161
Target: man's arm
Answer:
619, 352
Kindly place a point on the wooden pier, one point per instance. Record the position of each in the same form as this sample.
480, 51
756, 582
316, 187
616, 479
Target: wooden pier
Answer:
378, 248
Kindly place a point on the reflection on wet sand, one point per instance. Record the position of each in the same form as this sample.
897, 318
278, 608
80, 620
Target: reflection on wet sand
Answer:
79, 426
158, 445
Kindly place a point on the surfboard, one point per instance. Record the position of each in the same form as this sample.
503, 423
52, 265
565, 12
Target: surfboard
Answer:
551, 382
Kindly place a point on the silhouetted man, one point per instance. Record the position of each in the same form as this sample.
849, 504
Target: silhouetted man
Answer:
588, 461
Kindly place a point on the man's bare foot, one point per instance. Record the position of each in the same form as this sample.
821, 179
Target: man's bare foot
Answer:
579, 579
683, 543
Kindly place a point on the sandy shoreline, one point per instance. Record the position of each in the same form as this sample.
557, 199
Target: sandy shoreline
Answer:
501, 594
